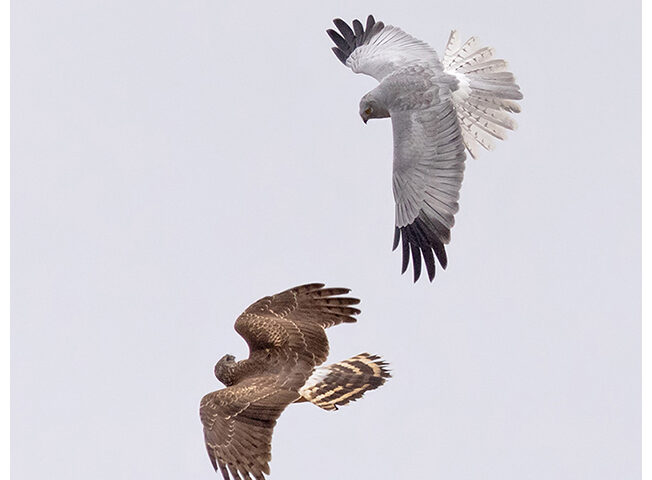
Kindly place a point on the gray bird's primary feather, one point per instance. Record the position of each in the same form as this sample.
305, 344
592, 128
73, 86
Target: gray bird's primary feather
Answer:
439, 110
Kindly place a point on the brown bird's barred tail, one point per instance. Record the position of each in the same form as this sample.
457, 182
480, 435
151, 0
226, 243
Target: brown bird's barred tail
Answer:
340, 383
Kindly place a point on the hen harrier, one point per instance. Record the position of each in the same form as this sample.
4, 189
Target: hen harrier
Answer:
287, 342
437, 109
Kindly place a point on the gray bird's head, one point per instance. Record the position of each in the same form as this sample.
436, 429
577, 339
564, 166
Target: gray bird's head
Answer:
372, 107
225, 369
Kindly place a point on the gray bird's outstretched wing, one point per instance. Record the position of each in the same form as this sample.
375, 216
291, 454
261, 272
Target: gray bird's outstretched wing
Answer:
378, 49
428, 171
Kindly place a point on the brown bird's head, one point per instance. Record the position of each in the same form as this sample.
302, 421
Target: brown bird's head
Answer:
225, 370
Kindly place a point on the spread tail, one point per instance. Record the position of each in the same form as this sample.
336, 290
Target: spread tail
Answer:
486, 95
335, 385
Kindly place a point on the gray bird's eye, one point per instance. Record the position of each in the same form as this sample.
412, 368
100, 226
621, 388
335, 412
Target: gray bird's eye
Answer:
368, 111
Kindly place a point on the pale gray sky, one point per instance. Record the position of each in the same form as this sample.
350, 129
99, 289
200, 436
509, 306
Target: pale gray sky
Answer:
175, 161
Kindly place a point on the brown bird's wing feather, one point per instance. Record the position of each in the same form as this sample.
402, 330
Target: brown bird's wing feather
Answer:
238, 424
286, 334
292, 323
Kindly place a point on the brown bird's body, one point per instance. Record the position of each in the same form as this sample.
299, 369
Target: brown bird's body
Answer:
287, 343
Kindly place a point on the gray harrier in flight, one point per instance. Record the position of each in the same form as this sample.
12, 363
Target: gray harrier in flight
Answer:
438, 109
287, 343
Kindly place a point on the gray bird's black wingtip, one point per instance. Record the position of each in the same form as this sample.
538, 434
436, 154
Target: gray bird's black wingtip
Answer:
348, 39
422, 239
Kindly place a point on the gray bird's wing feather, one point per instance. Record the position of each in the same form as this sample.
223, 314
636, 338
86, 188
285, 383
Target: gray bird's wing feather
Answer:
428, 171
378, 49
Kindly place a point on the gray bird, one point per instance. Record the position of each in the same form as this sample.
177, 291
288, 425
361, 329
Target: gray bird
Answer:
439, 110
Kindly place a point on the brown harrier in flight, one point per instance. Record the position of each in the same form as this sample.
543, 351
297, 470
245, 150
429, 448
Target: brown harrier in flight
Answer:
287, 342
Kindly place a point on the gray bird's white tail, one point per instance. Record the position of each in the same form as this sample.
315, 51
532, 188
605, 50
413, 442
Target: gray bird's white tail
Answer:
335, 385
486, 93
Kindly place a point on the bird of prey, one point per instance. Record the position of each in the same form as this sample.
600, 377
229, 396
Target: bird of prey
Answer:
438, 109
287, 343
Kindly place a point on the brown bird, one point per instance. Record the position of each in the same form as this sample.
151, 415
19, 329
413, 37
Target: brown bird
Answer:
287, 343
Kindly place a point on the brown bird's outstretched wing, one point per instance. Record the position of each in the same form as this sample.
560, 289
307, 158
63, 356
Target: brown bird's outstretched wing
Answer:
291, 324
238, 423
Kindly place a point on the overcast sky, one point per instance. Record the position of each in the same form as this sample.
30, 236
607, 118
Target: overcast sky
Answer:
174, 161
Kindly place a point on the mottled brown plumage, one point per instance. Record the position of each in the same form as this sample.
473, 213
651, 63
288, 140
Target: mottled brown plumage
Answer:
287, 341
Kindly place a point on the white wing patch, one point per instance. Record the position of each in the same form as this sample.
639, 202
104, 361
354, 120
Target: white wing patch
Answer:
318, 376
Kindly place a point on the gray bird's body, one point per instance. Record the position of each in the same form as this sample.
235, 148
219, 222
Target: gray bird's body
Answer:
439, 110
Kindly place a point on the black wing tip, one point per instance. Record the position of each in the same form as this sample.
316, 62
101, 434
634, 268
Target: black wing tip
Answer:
340, 55
420, 241
348, 39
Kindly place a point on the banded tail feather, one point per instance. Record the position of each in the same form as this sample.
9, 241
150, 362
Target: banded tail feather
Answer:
332, 386
486, 94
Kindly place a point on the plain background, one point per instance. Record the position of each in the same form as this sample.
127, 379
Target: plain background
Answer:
174, 161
